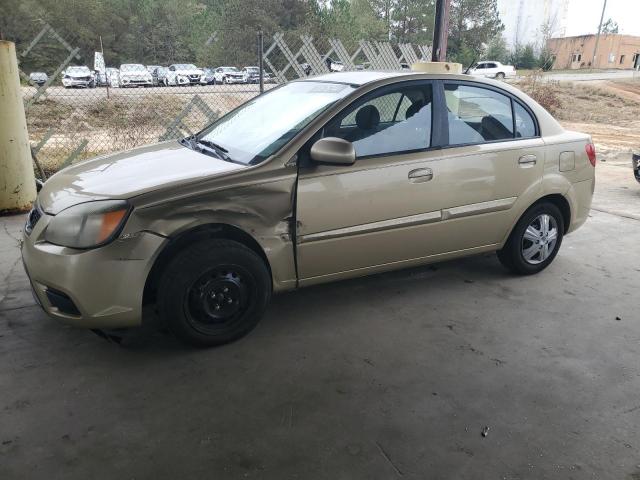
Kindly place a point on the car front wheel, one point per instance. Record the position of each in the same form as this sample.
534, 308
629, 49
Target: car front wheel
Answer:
214, 292
535, 240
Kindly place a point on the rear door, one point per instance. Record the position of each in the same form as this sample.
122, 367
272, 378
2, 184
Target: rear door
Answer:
490, 70
494, 157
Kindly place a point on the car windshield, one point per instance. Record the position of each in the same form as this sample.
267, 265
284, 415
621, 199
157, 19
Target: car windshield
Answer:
252, 69
78, 70
132, 67
185, 66
260, 127
229, 69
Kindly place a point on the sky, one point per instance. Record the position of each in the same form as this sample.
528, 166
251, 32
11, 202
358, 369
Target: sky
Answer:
584, 15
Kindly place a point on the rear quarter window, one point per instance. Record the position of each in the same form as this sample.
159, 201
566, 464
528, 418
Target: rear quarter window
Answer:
525, 125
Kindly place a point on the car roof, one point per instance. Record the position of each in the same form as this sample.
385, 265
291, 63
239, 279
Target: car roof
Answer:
357, 77
362, 77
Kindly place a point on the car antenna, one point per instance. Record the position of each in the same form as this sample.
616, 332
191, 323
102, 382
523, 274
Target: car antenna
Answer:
466, 72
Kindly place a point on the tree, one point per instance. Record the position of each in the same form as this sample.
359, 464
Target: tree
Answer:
472, 24
610, 26
524, 57
497, 49
412, 21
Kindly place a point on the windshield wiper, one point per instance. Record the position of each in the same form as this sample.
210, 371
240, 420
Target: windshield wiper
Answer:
220, 152
211, 144
212, 147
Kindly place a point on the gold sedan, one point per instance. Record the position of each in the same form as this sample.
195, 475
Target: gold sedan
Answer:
321, 179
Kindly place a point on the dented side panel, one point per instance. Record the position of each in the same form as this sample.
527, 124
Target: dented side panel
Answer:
263, 210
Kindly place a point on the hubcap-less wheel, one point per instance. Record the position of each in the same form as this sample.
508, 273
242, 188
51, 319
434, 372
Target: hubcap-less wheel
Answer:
539, 239
218, 299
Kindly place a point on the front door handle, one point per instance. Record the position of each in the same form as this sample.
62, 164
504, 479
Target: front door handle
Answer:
420, 175
527, 161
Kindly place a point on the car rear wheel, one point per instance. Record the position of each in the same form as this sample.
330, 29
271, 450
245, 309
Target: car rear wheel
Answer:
500, 76
214, 292
535, 240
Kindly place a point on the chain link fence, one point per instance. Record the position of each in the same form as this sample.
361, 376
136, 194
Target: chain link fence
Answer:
75, 114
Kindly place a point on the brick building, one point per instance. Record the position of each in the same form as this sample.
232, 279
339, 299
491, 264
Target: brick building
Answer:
614, 51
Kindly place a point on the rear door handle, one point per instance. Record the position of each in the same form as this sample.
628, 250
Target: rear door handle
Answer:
420, 175
527, 161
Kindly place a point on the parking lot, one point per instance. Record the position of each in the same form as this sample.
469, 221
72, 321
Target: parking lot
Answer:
81, 96
389, 376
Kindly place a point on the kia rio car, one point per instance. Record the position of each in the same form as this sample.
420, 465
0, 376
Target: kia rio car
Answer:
320, 179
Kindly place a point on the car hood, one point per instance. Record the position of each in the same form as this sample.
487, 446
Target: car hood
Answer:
135, 74
189, 72
78, 74
127, 174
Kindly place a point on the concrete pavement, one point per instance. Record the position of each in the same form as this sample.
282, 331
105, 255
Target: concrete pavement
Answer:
391, 376
585, 76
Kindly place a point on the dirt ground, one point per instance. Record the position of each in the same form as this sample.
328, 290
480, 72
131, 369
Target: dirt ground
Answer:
607, 110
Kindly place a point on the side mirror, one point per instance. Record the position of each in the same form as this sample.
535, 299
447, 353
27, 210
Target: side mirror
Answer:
333, 150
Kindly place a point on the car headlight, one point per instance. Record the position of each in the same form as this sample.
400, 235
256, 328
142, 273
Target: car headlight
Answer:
88, 225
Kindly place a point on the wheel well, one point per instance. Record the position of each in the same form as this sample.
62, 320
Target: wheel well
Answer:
562, 204
189, 237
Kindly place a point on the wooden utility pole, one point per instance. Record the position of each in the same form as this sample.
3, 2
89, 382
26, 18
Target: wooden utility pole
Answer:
595, 49
440, 31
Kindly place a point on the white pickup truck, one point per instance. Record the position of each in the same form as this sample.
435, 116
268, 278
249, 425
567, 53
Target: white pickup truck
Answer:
490, 69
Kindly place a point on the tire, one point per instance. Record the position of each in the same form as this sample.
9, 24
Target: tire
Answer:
500, 76
521, 254
225, 80
214, 292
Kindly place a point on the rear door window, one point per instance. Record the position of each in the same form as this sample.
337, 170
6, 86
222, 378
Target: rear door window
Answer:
477, 115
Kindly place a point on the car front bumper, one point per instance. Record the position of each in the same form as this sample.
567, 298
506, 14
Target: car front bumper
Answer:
97, 288
74, 82
131, 82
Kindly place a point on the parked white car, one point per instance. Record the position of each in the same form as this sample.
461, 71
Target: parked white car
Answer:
38, 78
490, 69
135, 75
78, 76
113, 77
185, 74
228, 75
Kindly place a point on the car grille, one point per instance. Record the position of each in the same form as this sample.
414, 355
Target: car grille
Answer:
194, 77
34, 215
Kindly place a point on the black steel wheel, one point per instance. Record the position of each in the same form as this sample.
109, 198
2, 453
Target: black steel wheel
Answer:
214, 292
219, 298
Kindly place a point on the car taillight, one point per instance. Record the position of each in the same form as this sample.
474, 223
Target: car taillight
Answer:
591, 153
